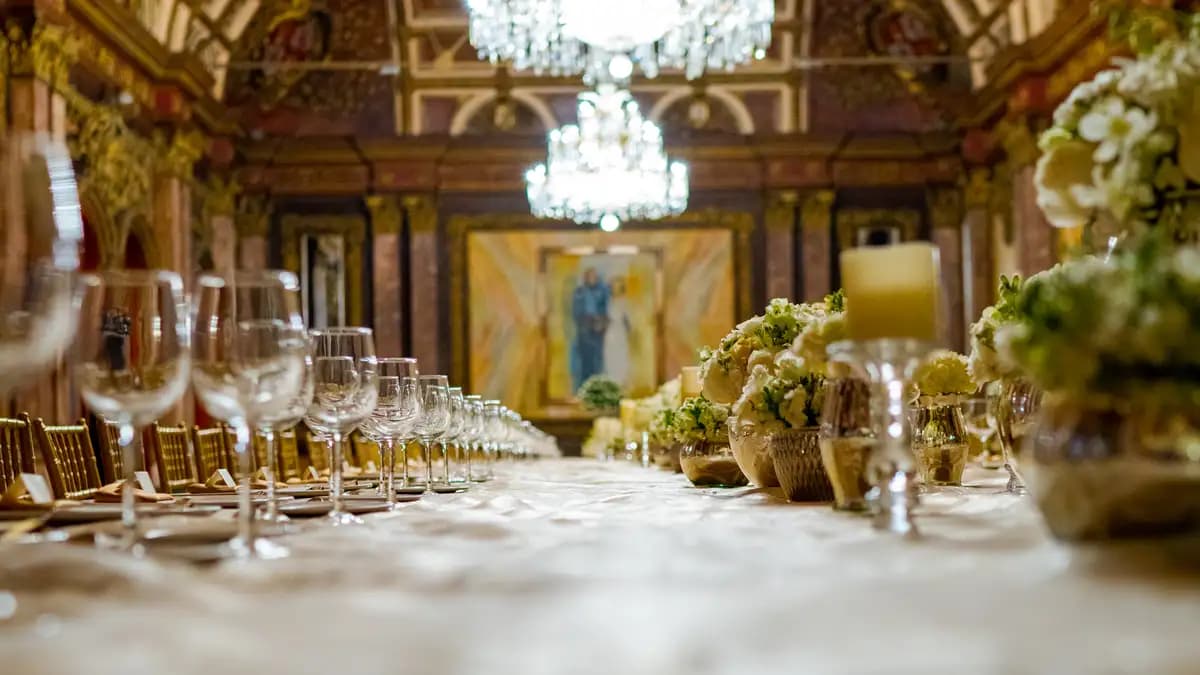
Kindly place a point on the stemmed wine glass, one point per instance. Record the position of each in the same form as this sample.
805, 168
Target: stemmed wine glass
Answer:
494, 431
345, 373
249, 365
131, 361
473, 416
433, 417
40, 228
283, 419
395, 410
451, 446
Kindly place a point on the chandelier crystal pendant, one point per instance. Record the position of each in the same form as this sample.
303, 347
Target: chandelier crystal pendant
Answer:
609, 168
569, 37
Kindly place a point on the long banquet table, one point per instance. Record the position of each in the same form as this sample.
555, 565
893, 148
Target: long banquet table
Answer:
572, 566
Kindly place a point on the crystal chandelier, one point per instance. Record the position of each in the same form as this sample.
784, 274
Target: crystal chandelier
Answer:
568, 37
609, 168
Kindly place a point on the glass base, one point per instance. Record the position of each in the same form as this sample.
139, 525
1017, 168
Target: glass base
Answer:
340, 518
264, 517
261, 549
125, 541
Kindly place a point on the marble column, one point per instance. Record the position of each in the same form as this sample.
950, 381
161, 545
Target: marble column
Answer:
386, 226
1034, 234
978, 281
945, 217
780, 253
424, 282
816, 245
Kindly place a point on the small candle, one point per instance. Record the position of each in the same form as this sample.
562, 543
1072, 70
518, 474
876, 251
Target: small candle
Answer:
689, 382
891, 291
628, 412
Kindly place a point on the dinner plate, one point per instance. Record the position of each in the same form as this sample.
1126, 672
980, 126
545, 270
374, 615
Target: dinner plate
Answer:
440, 489
91, 513
229, 501
313, 509
304, 491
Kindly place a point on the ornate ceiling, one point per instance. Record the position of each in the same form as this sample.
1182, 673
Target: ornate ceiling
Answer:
405, 67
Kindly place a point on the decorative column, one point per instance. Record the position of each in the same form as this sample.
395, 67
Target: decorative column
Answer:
1034, 234
386, 224
424, 282
978, 282
945, 216
816, 244
780, 254
252, 220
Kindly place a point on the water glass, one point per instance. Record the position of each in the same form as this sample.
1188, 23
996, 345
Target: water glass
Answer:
433, 417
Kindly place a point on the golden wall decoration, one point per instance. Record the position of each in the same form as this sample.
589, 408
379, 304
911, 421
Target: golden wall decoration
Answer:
353, 231
513, 279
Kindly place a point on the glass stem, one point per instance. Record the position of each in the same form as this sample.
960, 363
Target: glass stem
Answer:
1004, 427
891, 463
389, 452
404, 449
427, 446
382, 470
129, 458
335, 472
245, 506
445, 444
272, 469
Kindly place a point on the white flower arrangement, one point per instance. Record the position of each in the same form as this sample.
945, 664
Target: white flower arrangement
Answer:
604, 431
984, 362
1122, 328
1125, 147
944, 373
786, 397
827, 325
754, 342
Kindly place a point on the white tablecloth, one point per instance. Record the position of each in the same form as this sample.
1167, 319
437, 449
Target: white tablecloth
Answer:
570, 566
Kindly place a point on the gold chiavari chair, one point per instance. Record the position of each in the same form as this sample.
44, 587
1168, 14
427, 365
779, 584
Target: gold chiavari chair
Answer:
365, 452
318, 452
69, 458
208, 445
172, 453
288, 453
112, 463
231, 449
16, 449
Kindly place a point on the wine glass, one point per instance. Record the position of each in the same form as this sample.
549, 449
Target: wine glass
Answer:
433, 417
249, 365
131, 361
494, 430
345, 373
40, 229
392, 419
283, 419
451, 440
472, 436
1015, 412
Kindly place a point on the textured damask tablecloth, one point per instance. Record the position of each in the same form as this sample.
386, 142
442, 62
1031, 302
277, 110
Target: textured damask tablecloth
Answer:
570, 566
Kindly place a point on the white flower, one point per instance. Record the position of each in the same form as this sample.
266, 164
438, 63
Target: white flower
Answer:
1060, 169
1114, 126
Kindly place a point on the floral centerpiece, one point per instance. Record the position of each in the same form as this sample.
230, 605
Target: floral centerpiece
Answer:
984, 362
599, 394
701, 426
786, 397
940, 441
1124, 148
753, 342
826, 325
606, 433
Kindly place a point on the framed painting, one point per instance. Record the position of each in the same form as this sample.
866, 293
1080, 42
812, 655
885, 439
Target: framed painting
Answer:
602, 316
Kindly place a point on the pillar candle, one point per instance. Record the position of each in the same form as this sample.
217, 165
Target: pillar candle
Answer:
689, 382
628, 412
892, 291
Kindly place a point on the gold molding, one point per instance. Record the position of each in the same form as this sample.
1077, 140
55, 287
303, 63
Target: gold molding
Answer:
252, 217
978, 187
352, 227
422, 213
817, 212
780, 214
944, 205
459, 226
386, 216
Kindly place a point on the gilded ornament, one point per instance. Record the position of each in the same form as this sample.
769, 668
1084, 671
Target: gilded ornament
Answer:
977, 190
181, 154
386, 217
817, 211
945, 207
253, 216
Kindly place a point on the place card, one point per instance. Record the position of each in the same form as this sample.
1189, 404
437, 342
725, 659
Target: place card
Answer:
226, 478
312, 472
32, 485
144, 482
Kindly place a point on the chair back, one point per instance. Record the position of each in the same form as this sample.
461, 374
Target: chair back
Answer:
70, 461
209, 447
318, 452
112, 463
16, 449
172, 453
365, 451
288, 454
231, 450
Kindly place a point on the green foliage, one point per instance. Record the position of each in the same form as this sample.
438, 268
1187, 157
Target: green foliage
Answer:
599, 394
700, 419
